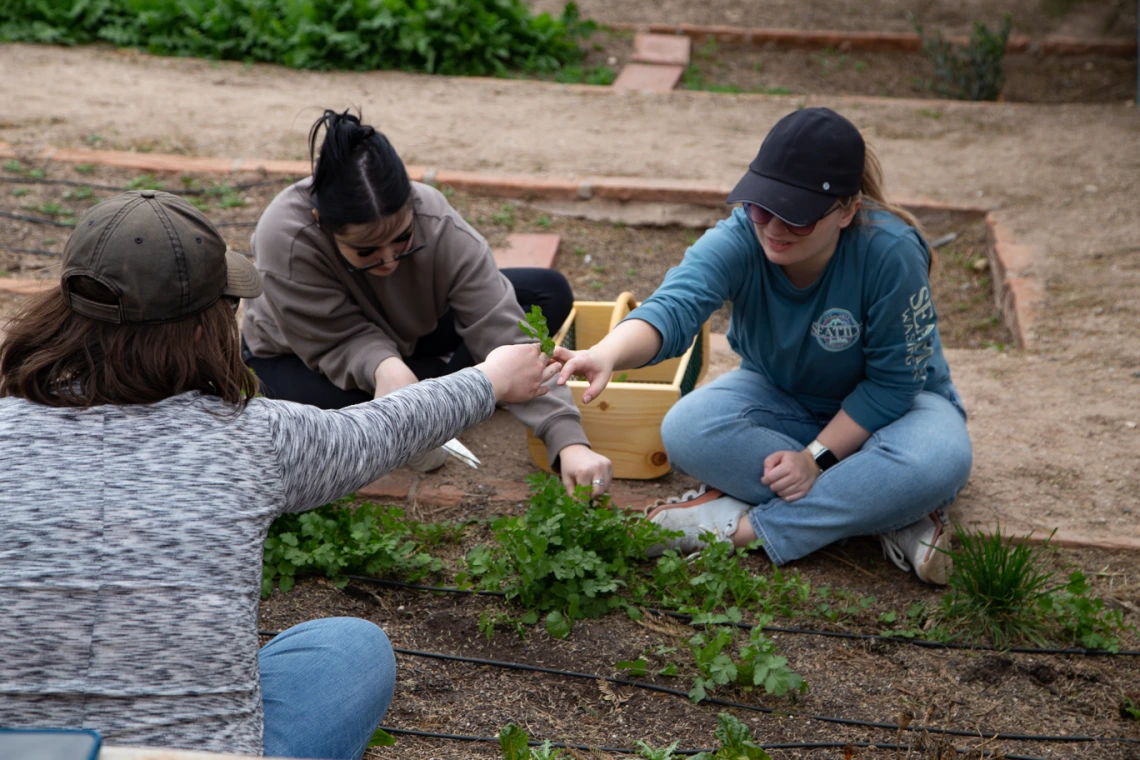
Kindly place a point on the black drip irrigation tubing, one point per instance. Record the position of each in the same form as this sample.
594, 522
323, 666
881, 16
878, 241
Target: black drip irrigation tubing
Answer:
112, 188
35, 219
1062, 739
802, 631
683, 752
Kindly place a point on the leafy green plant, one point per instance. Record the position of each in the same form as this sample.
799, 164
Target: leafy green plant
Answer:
505, 215
466, 37
381, 738
338, 541
601, 75
646, 752
567, 556
79, 194
1000, 591
144, 182
514, 742
20, 192
972, 73
755, 664
715, 587
86, 168
535, 327
13, 166
735, 742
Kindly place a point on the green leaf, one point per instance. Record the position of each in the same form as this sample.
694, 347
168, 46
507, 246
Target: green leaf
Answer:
513, 741
557, 625
381, 739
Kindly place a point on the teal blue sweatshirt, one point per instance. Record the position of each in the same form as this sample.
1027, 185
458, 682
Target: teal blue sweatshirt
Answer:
863, 337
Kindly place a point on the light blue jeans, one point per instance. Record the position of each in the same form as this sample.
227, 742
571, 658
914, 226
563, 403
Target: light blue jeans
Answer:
722, 432
325, 686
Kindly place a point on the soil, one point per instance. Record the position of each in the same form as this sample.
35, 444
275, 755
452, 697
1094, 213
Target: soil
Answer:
986, 692
1054, 427
771, 70
600, 260
1111, 19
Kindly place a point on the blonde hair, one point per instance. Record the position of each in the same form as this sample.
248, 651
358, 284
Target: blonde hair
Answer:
874, 197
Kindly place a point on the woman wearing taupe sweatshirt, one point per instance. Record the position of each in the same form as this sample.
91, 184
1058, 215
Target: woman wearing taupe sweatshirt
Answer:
373, 282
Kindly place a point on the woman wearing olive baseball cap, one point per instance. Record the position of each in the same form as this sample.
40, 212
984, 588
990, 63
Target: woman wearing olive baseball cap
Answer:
139, 477
842, 419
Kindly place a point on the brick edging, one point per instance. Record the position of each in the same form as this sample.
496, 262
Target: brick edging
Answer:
1018, 293
880, 42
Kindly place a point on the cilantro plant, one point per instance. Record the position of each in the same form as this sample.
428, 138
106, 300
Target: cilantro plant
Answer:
338, 541
566, 557
755, 664
535, 327
514, 742
735, 742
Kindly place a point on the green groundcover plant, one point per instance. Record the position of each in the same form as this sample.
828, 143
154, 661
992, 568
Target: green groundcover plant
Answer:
567, 556
337, 541
464, 37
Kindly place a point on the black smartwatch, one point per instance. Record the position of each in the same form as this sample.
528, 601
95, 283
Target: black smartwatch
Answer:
822, 455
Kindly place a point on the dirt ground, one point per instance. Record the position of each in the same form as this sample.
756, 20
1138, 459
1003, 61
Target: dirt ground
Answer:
1037, 18
1056, 428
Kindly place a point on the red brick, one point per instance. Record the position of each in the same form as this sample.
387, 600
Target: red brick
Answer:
642, 76
631, 498
440, 496
528, 250
506, 490
1077, 46
296, 168
510, 187
394, 485
659, 190
662, 49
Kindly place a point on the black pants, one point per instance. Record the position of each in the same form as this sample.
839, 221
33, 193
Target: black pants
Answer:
286, 377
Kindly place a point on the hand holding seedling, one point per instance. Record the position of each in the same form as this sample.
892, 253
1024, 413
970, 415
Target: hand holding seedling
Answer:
593, 364
519, 372
535, 327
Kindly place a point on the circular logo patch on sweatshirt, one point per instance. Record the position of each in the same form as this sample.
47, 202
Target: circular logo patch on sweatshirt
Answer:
836, 330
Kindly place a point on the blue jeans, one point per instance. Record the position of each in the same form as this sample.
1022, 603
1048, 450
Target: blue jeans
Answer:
722, 432
325, 686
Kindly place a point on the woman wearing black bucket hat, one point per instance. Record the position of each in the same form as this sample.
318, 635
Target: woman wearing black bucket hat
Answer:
842, 419
138, 478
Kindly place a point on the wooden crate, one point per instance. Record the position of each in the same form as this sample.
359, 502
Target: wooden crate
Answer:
624, 421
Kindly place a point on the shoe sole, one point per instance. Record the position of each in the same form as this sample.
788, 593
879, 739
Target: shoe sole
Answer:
936, 565
707, 496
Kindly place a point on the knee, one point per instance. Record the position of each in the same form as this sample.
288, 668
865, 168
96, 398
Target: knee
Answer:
365, 647
680, 431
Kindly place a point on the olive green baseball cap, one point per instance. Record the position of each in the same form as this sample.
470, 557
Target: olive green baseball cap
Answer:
160, 256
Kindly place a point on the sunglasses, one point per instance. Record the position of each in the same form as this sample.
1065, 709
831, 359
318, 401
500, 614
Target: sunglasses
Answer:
400, 243
762, 216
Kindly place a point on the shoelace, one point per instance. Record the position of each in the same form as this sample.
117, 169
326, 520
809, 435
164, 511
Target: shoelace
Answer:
894, 552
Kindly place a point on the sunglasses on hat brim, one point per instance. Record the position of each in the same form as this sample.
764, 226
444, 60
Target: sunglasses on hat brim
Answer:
761, 216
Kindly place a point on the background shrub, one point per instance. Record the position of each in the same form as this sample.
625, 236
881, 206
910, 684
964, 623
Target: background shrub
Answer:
467, 37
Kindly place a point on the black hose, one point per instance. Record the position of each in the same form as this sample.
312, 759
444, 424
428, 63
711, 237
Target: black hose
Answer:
35, 219
803, 631
632, 751
1066, 739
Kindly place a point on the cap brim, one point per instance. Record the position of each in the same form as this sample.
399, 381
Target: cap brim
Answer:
242, 278
792, 204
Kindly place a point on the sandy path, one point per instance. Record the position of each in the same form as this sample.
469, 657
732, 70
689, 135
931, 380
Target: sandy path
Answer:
1056, 435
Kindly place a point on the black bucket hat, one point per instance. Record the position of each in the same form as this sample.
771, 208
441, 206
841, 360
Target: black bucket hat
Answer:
160, 256
809, 159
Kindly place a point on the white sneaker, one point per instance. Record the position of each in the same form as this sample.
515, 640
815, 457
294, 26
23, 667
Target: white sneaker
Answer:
432, 459
702, 510
922, 547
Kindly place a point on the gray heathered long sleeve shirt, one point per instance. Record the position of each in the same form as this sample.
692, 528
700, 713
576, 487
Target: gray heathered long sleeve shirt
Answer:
131, 543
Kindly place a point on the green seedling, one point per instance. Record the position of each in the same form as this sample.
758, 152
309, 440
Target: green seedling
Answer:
543, 222
144, 182
79, 194
86, 168
535, 327
505, 216
381, 739
735, 742
14, 166
20, 192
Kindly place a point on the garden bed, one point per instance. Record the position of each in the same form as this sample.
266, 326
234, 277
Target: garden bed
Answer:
600, 259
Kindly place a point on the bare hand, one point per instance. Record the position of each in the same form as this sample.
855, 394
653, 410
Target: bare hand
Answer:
391, 375
519, 372
591, 364
790, 474
582, 466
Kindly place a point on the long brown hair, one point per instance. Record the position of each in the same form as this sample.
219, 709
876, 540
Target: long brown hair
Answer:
55, 356
874, 197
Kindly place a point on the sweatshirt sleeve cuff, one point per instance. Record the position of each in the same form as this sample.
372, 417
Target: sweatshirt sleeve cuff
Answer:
560, 433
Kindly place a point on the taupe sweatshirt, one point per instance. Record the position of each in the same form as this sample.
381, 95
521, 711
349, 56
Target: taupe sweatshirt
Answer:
343, 325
